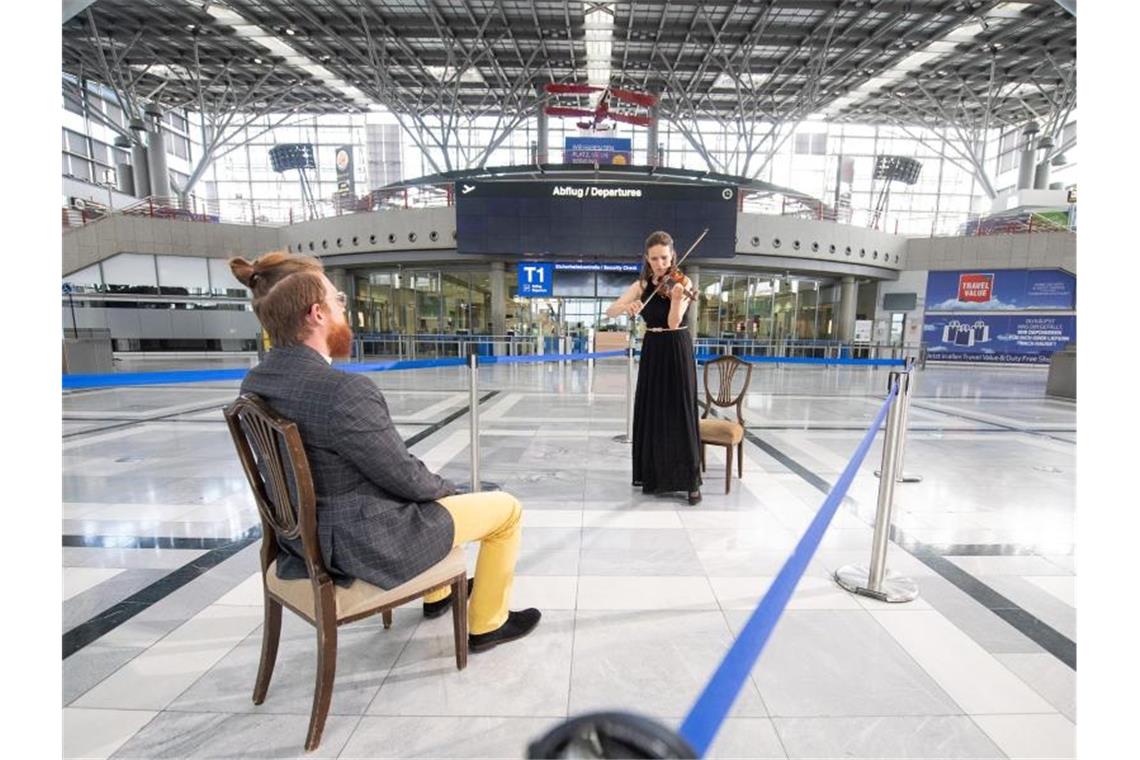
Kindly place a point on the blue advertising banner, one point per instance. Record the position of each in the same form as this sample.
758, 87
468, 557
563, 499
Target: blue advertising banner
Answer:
1006, 338
1001, 290
536, 278
604, 150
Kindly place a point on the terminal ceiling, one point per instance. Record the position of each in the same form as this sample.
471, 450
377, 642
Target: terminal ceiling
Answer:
929, 62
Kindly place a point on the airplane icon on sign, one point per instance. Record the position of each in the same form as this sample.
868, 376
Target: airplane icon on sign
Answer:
468, 188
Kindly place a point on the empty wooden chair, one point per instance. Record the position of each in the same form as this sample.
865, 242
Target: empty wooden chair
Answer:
724, 432
283, 488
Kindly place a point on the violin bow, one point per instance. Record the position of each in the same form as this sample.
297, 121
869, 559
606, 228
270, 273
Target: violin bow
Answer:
679, 261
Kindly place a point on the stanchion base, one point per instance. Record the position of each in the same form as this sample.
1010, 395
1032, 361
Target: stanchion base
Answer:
902, 478
484, 485
895, 588
609, 735
623, 438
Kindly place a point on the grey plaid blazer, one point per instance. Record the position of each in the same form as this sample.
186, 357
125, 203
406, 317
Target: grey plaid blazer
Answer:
376, 515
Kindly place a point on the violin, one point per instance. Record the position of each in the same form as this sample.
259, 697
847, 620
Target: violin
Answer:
674, 276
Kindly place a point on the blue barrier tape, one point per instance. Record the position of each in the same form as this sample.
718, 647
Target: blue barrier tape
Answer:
547, 357
397, 364
174, 377
152, 378
809, 360
709, 711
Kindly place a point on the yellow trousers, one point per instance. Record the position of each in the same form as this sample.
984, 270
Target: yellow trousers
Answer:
494, 520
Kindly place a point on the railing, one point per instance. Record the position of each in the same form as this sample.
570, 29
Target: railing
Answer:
815, 349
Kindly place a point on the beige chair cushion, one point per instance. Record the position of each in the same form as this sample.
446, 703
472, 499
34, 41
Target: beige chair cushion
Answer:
721, 432
362, 596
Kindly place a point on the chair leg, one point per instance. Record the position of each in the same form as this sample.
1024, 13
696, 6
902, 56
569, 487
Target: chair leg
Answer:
459, 620
270, 637
740, 460
727, 468
326, 673
386, 615
702, 457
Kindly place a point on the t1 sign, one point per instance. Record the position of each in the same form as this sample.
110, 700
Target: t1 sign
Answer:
535, 279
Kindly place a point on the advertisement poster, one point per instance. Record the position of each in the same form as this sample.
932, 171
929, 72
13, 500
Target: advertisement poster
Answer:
1001, 290
345, 182
603, 150
1006, 338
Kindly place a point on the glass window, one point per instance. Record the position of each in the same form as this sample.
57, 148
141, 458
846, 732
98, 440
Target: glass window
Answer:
182, 275
76, 143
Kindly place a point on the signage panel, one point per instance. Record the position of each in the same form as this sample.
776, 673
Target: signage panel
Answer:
600, 150
591, 220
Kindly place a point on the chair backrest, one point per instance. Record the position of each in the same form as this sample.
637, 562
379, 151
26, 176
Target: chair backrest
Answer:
724, 369
273, 458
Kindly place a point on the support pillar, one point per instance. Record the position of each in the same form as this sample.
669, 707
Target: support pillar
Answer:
845, 314
498, 304
652, 157
156, 155
543, 137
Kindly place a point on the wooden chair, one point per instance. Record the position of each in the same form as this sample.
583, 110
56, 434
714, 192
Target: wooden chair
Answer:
283, 489
725, 432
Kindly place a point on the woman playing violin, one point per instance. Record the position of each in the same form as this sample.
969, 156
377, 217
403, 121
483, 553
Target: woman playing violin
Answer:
666, 440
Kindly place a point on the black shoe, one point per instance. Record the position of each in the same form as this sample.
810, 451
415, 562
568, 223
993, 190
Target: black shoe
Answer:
435, 609
694, 497
518, 624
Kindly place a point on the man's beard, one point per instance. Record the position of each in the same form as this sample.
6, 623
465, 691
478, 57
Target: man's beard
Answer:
340, 341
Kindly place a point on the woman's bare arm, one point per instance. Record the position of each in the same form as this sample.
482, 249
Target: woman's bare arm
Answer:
628, 303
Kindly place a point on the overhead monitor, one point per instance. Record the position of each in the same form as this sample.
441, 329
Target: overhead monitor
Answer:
591, 220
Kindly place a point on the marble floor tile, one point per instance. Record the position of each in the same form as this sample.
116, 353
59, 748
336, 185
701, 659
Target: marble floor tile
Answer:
645, 593
617, 519
747, 738
546, 592
1012, 565
76, 580
530, 677
1038, 602
90, 665
96, 734
977, 681
157, 676
551, 518
1062, 587
146, 559
1049, 677
812, 593
991, 632
904, 737
549, 551
1026, 737
365, 654
248, 593
87, 604
840, 663
445, 737
654, 661
222, 736
649, 551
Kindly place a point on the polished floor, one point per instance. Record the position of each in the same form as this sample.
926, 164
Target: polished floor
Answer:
641, 595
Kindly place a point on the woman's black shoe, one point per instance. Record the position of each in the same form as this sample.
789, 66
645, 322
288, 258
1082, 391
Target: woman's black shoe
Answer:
518, 624
435, 609
694, 497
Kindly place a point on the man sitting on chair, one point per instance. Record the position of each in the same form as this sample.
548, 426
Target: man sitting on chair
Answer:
382, 516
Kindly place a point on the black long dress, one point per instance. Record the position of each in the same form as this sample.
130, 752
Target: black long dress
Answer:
666, 437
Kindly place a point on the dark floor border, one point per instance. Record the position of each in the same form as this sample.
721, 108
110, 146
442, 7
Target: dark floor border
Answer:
1032, 627
1001, 425
140, 421
145, 542
910, 429
111, 618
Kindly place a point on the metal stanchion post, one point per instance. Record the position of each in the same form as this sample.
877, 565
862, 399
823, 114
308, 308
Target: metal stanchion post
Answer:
875, 581
904, 396
627, 436
473, 373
